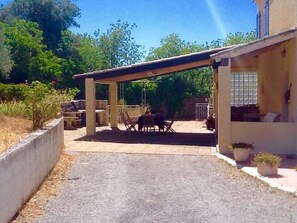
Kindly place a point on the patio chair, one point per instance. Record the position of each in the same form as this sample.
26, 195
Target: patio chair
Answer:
271, 117
168, 123
149, 124
131, 120
128, 123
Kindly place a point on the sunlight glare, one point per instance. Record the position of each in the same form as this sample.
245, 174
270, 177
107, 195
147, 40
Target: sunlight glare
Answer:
215, 14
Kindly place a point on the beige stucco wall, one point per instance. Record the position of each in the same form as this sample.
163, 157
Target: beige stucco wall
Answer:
283, 15
224, 109
276, 70
277, 137
292, 61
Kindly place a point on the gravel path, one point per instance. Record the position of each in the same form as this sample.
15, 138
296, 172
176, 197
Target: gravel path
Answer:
106, 187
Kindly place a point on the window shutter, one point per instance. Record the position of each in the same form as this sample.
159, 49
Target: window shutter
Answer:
258, 23
266, 18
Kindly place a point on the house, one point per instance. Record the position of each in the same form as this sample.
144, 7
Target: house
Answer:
250, 80
260, 78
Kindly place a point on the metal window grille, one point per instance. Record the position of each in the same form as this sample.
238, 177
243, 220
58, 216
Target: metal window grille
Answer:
201, 111
244, 88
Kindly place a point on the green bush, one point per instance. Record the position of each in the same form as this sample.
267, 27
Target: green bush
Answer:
43, 102
14, 109
266, 158
13, 92
242, 145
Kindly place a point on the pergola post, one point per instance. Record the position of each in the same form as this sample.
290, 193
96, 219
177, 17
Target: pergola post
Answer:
224, 106
113, 100
215, 99
90, 106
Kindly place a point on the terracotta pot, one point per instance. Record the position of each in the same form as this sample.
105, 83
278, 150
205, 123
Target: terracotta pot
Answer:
240, 154
267, 170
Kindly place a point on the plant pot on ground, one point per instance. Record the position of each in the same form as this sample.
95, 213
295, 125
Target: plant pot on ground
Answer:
267, 163
241, 151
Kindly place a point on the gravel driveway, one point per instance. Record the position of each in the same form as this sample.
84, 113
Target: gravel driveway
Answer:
106, 187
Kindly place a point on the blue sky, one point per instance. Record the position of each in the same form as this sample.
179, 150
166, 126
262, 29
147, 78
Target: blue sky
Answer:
192, 20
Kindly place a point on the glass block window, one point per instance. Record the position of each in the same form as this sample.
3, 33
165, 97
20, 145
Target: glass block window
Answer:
244, 88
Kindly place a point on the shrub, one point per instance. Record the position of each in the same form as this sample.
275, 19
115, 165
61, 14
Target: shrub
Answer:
266, 158
242, 145
13, 92
14, 109
43, 102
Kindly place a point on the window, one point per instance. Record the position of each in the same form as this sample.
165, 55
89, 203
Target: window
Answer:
244, 88
266, 18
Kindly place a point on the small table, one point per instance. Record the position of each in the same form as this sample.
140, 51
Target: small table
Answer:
71, 122
159, 121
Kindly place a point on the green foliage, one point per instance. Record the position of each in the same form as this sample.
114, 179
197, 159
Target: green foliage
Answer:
52, 16
172, 89
6, 62
13, 109
241, 145
32, 60
266, 158
117, 47
12, 92
43, 102
239, 37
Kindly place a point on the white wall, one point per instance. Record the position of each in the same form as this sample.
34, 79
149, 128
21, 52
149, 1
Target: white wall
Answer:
25, 165
276, 137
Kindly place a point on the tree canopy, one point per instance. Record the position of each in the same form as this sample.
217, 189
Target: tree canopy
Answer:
52, 16
5, 61
31, 59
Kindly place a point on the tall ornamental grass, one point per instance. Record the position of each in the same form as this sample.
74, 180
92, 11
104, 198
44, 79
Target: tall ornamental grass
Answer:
14, 109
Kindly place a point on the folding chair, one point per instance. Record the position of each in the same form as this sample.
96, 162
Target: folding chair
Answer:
128, 123
168, 123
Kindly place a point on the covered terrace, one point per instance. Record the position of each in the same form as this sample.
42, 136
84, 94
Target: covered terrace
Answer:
114, 76
273, 61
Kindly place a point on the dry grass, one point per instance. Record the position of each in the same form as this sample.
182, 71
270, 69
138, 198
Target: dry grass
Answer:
36, 205
12, 130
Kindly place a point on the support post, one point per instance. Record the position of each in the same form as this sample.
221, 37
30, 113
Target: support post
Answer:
215, 100
113, 100
224, 106
90, 106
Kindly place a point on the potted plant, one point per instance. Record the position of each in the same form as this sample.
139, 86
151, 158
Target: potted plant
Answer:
267, 163
241, 151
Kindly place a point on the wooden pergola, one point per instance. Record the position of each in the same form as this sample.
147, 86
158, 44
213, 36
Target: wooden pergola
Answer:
144, 70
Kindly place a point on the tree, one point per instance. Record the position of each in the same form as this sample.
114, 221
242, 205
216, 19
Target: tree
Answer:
5, 61
52, 16
31, 59
118, 47
172, 89
239, 37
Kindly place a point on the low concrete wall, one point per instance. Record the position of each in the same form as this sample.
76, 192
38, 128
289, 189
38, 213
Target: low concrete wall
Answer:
275, 137
26, 164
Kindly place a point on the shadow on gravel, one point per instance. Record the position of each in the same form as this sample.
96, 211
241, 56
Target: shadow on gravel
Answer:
120, 136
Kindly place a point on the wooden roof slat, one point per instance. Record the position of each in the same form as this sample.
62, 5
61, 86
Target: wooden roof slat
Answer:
152, 68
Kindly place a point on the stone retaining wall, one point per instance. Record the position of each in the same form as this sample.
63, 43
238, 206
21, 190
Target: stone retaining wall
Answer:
24, 167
